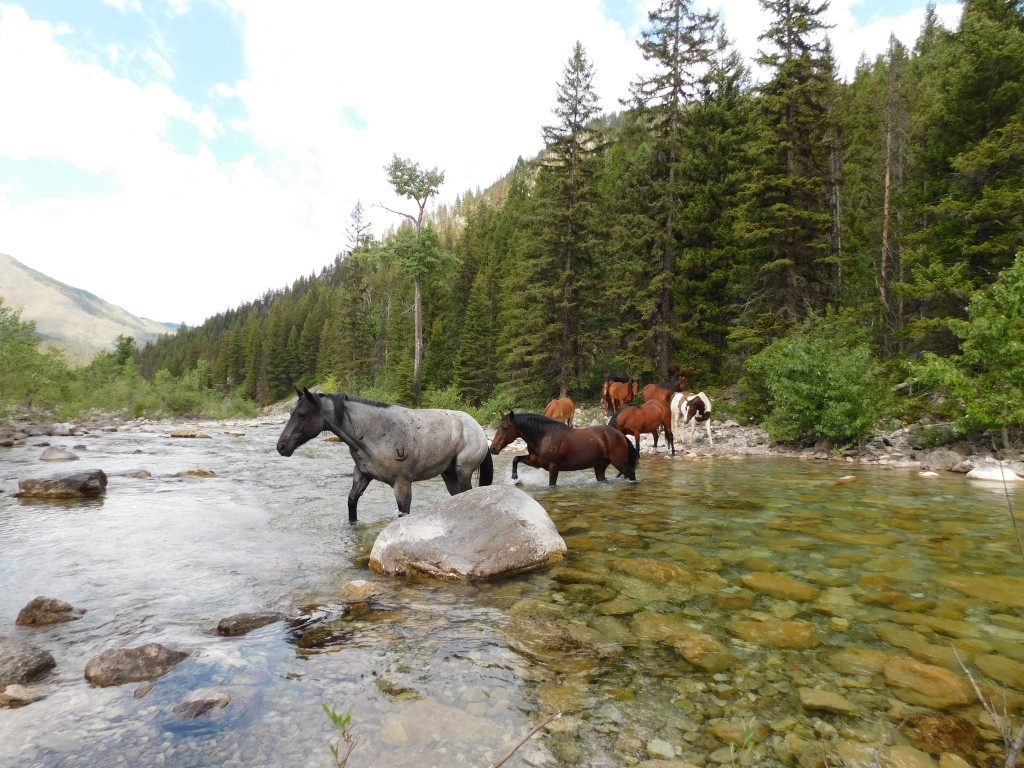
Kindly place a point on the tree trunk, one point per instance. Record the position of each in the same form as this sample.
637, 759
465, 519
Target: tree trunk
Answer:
417, 371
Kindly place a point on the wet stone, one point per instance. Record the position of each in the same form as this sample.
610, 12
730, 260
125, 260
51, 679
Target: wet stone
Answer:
778, 634
47, 610
925, 684
780, 586
937, 732
21, 662
82, 485
128, 665
243, 623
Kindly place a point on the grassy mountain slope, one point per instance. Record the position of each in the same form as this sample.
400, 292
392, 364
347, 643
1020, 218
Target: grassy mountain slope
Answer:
72, 319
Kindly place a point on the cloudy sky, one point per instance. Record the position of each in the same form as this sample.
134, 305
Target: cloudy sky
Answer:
181, 157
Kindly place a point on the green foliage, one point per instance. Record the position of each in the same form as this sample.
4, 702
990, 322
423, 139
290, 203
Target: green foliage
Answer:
699, 226
986, 380
822, 380
343, 722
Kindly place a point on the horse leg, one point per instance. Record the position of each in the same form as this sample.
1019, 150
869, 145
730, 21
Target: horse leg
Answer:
599, 469
552, 475
403, 495
670, 439
359, 483
515, 467
451, 478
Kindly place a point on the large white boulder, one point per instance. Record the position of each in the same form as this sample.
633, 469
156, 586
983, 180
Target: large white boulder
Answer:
495, 530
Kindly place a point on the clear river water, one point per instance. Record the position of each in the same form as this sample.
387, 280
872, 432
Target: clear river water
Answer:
721, 611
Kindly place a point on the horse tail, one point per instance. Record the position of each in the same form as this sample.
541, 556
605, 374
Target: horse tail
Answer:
486, 469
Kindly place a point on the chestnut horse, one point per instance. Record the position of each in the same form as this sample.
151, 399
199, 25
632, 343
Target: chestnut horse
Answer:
553, 446
618, 393
665, 390
561, 409
636, 420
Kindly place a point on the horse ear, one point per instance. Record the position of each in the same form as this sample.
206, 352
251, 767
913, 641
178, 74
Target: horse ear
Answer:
308, 395
298, 392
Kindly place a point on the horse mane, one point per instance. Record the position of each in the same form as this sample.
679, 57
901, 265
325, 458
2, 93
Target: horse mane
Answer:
614, 421
533, 425
340, 398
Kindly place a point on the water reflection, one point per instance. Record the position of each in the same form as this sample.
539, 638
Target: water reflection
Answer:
695, 608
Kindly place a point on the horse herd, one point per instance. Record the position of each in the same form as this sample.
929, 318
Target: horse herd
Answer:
398, 445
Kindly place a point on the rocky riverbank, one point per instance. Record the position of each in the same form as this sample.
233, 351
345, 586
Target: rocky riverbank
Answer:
912, 446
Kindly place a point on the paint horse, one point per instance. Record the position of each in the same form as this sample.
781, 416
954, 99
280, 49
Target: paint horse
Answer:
392, 444
561, 409
553, 446
688, 408
636, 420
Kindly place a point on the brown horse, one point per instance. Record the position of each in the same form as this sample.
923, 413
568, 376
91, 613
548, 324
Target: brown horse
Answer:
636, 420
665, 390
618, 394
561, 409
553, 446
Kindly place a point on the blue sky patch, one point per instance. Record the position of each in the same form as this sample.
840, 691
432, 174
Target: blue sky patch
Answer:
43, 178
350, 116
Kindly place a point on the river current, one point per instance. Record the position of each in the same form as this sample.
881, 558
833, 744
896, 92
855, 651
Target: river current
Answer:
694, 612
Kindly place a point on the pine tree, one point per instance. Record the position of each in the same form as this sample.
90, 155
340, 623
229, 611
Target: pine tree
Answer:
787, 222
680, 44
966, 194
567, 169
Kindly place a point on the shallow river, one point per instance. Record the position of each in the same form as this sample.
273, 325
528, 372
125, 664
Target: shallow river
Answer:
691, 610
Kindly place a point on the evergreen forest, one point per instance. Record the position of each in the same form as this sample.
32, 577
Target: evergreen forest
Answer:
824, 254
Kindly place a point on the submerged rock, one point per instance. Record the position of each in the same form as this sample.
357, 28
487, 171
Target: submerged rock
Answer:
82, 485
200, 702
131, 665
243, 623
188, 432
47, 610
58, 454
479, 534
22, 663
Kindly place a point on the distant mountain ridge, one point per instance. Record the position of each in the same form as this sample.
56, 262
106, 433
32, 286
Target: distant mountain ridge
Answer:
74, 320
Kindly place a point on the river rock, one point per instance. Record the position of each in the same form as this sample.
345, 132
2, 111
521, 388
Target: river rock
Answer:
778, 634
243, 623
21, 663
82, 485
780, 585
479, 534
926, 685
993, 470
942, 458
937, 732
15, 695
1001, 669
816, 699
47, 610
130, 665
1007, 590
188, 432
198, 703
58, 454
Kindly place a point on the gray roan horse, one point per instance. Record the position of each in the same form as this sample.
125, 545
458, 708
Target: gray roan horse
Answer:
393, 444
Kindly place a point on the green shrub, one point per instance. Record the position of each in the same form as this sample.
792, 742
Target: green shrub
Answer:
822, 380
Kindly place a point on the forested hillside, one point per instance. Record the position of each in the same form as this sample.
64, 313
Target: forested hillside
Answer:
711, 220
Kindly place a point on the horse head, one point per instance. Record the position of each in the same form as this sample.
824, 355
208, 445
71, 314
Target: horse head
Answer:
505, 433
306, 422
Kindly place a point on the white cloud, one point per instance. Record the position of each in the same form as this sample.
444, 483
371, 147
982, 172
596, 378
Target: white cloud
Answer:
461, 85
